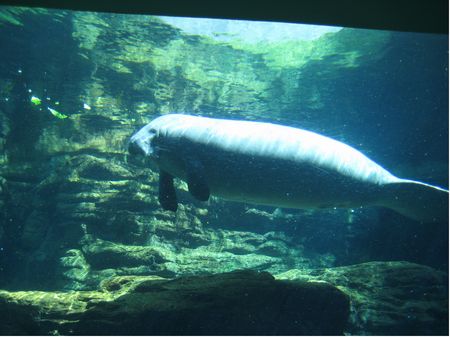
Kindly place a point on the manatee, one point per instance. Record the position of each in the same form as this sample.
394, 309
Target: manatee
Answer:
276, 165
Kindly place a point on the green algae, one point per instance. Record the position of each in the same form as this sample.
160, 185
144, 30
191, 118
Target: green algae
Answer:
384, 296
179, 305
400, 297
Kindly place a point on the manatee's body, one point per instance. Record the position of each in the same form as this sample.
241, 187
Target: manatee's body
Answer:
275, 165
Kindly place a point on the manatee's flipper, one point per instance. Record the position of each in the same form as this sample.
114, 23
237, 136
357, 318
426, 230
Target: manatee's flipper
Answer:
196, 181
417, 200
167, 195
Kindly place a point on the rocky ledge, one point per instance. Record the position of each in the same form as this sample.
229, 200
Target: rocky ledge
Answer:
373, 298
236, 303
398, 297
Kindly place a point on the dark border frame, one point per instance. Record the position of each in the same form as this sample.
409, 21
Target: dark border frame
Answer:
429, 16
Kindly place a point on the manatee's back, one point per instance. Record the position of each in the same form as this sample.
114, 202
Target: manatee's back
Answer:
257, 139
272, 164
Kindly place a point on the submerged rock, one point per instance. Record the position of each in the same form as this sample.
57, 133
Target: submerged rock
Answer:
237, 303
399, 298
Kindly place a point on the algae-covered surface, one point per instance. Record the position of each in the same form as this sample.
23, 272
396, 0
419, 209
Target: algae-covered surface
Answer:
369, 298
244, 303
84, 240
399, 297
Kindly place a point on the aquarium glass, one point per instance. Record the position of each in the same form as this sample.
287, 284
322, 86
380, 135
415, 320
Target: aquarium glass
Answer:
82, 221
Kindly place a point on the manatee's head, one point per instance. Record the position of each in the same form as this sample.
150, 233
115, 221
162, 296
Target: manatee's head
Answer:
142, 142
147, 141
159, 139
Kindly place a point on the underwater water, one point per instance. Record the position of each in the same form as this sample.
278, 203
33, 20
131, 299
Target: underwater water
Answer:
80, 214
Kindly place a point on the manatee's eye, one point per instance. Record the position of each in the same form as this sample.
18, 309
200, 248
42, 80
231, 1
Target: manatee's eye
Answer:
151, 137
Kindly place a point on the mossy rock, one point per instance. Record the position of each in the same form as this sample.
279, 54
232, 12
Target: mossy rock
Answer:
399, 298
237, 303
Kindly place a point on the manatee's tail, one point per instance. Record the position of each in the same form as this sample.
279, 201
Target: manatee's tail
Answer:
417, 200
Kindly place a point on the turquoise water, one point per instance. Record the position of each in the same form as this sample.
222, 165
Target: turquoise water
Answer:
76, 208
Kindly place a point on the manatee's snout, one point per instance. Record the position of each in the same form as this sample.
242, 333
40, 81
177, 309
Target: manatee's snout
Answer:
135, 149
143, 142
